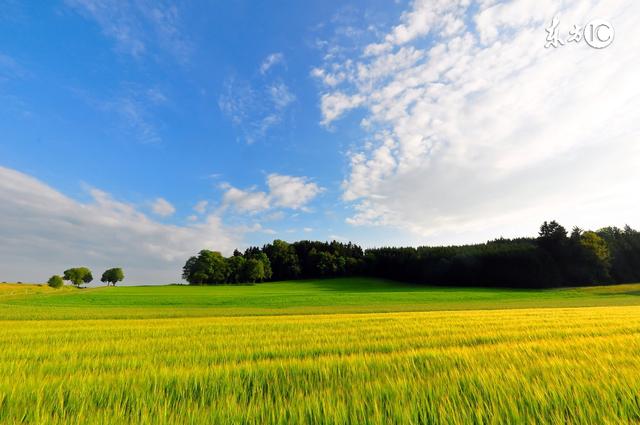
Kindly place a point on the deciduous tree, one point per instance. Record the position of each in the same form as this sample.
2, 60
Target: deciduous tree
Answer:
112, 276
253, 271
55, 281
78, 275
209, 267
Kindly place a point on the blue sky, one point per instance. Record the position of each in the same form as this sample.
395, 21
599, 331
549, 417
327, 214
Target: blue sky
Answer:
139, 132
108, 99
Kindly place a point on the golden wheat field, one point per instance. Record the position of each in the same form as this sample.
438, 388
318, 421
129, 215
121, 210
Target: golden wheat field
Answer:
562, 365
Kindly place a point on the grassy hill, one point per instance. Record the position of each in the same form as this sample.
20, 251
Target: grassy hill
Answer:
18, 290
347, 295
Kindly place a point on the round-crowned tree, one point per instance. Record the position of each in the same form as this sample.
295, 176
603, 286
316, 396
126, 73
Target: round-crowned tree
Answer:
112, 276
55, 281
78, 275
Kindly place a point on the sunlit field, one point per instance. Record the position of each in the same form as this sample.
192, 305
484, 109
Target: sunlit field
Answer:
498, 365
12, 290
346, 295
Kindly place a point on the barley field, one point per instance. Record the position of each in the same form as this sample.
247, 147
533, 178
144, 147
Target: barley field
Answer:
516, 365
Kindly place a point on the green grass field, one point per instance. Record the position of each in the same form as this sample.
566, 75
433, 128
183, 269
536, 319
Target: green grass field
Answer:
353, 295
335, 351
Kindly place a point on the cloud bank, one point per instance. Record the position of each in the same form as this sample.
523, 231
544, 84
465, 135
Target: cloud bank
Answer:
44, 232
473, 129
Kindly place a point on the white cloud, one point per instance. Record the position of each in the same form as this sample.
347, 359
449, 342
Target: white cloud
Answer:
245, 201
258, 228
424, 17
284, 192
476, 130
328, 78
335, 104
270, 61
291, 192
44, 232
162, 207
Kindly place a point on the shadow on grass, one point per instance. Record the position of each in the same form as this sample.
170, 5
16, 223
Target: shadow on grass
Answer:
620, 293
368, 285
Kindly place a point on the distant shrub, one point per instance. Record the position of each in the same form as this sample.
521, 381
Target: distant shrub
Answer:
55, 281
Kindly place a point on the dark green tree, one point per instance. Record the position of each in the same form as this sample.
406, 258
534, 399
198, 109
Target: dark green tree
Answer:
78, 275
208, 268
55, 281
597, 246
324, 263
552, 236
283, 259
112, 276
552, 259
266, 264
235, 267
624, 248
253, 271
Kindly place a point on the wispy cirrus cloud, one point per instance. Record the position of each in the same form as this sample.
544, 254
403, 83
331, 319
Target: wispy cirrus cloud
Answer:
474, 129
135, 108
255, 106
138, 27
270, 61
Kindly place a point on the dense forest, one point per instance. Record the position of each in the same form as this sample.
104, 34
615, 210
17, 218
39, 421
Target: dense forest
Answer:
555, 258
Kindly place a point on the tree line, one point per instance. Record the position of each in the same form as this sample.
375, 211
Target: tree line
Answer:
275, 261
554, 258
79, 275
